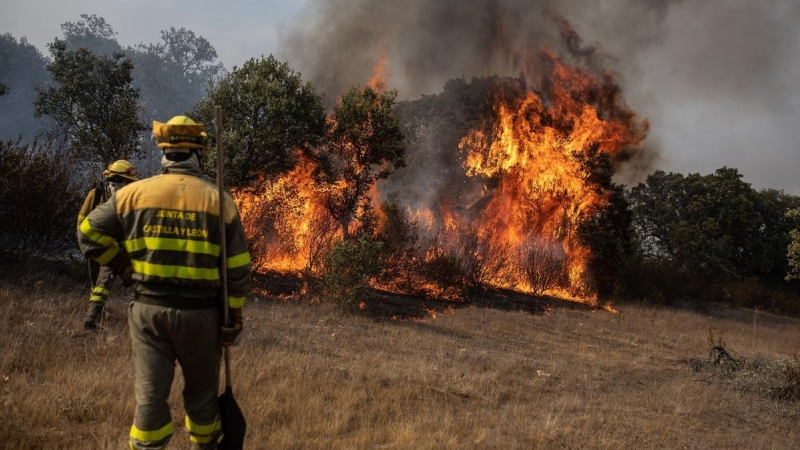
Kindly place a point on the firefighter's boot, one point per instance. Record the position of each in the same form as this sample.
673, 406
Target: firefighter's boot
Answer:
209, 446
93, 315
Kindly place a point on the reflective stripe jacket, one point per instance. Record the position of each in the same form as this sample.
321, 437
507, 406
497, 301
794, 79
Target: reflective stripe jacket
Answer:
169, 225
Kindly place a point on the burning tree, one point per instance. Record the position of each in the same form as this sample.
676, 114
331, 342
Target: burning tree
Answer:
523, 160
363, 144
507, 181
269, 114
271, 120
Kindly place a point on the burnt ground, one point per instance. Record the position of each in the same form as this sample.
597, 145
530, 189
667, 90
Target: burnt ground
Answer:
390, 305
69, 274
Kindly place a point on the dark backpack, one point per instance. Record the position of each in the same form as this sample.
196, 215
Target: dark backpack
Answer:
99, 194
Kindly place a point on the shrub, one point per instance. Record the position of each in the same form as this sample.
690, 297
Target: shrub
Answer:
401, 249
483, 259
790, 369
542, 264
40, 195
445, 271
348, 267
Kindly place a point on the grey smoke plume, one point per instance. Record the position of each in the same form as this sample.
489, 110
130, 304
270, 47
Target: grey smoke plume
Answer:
716, 79
428, 42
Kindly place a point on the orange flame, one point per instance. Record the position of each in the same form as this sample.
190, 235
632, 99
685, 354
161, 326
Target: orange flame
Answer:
380, 74
531, 160
542, 187
283, 222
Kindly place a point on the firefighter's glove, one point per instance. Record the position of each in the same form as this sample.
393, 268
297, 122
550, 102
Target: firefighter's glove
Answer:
120, 264
127, 276
230, 331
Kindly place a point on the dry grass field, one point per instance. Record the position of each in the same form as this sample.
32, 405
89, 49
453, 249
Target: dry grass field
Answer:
313, 377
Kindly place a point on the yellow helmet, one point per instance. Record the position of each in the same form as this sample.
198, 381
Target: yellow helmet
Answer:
121, 168
180, 132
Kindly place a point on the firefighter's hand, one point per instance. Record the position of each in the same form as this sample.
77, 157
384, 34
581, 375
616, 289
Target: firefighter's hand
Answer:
120, 264
230, 331
127, 276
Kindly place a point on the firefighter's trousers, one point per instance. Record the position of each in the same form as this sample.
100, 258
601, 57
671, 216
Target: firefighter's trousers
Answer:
159, 337
102, 287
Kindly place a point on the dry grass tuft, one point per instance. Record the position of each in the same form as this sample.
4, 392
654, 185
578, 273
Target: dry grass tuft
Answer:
313, 377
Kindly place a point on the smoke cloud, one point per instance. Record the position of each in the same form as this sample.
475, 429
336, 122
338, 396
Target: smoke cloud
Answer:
715, 79
428, 42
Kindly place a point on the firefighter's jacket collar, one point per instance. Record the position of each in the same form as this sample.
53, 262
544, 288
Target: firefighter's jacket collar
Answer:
189, 167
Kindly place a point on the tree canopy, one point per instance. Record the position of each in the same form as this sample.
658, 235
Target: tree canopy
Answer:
793, 249
22, 68
92, 103
363, 143
174, 74
269, 113
715, 225
92, 33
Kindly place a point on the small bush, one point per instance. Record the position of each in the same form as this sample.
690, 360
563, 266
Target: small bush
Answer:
40, 195
790, 369
401, 249
444, 270
483, 259
777, 379
348, 267
543, 264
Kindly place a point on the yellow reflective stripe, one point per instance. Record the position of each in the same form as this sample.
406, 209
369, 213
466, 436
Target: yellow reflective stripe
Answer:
107, 255
203, 429
181, 245
80, 218
167, 271
239, 260
99, 294
89, 232
200, 439
236, 302
202, 434
151, 436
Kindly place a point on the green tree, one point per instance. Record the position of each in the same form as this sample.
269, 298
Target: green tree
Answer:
174, 74
772, 234
3, 89
793, 249
607, 232
93, 104
363, 143
92, 33
268, 114
22, 68
714, 226
348, 267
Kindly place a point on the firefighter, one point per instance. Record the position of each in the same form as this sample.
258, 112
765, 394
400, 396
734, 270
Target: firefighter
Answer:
119, 174
162, 234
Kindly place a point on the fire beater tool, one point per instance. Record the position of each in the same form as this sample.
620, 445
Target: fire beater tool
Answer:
234, 425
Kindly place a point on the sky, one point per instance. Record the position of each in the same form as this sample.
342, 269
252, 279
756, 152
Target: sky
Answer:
716, 79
